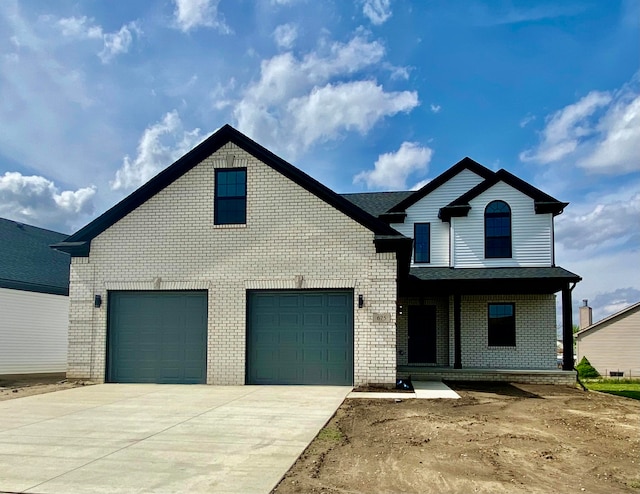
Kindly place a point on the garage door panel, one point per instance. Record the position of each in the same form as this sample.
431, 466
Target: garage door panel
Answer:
157, 337
314, 330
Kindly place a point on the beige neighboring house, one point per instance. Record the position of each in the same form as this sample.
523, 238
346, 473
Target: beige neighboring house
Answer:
611, 345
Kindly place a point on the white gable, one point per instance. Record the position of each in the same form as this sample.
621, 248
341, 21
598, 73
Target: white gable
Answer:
426, 211
532, 234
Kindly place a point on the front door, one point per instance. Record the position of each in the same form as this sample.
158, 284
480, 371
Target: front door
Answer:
422, 334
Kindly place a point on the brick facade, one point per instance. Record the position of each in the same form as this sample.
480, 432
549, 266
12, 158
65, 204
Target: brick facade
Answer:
292, 239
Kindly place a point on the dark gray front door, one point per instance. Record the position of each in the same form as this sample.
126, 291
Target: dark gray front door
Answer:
300, 337
422, 334
157, 337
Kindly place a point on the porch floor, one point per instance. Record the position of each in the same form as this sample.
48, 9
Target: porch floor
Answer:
528, 376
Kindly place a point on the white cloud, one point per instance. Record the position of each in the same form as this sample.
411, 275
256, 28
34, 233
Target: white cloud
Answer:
435, 108
114, 44
79, 27
285, 35
37, 201
191, 14
297, 102
160, 145
565, 128
527, 120
391, 170
357, 105
378, 11
607, 223
118, 42
599, 133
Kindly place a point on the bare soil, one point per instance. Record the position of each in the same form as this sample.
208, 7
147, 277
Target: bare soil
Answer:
19, 385
498, 438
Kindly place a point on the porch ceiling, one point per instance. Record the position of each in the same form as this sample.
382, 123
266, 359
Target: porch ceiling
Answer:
486, 281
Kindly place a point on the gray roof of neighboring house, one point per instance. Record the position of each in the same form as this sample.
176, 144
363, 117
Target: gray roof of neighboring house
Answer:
623, 312
376, 203
27, 262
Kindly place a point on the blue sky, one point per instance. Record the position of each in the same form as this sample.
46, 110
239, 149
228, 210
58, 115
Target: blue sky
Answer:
97, 97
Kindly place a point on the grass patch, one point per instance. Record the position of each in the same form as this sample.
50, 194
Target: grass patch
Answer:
330, 434
629, 389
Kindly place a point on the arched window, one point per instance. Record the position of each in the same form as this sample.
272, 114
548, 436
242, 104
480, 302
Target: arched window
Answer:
497, 230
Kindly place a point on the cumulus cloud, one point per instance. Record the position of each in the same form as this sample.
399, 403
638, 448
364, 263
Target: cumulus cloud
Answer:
160, 145
378, 11
285, 35
191, 14
114, 44
391, 170
297, 102
351, 106
607, 223
599, 133
38, 201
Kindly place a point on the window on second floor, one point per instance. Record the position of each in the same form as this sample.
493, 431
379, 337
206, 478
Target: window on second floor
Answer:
421, 242
230, 202
497, 230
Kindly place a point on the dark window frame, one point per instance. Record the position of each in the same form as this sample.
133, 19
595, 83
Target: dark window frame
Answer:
221, 214
416, 244
501, 329
497, 244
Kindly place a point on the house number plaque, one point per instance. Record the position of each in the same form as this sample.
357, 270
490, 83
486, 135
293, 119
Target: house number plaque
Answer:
381, 317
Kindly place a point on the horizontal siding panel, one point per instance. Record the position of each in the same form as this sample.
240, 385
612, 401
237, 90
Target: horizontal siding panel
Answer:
610, 347
531, 232
33, 332
426, 211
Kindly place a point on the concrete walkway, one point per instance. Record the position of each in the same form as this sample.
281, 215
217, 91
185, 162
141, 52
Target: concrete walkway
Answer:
123, 438
422, 390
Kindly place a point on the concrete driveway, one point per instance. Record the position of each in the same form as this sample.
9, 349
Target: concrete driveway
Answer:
159, 438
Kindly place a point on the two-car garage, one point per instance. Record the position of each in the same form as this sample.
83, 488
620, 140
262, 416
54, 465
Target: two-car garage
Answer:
293, 337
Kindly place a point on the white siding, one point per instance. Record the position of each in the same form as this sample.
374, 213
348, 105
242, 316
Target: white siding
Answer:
615, 346
426, 211
33, 332
531, 232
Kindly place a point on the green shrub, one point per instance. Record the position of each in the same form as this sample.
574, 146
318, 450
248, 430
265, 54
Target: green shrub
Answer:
586, 370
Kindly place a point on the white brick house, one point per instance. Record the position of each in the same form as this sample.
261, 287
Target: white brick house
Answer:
232, 267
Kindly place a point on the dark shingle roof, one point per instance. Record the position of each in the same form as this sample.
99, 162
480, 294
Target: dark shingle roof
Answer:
492, 273
376, 203
27, 262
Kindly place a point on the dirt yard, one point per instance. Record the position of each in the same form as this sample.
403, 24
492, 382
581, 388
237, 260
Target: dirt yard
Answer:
17, 386
496, 439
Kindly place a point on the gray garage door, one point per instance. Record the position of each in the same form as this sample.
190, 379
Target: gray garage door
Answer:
300, 337
157, 337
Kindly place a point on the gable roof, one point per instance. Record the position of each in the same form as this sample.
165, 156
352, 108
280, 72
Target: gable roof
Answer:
464, 164
26, 261
543, 202
624, 312
79, 243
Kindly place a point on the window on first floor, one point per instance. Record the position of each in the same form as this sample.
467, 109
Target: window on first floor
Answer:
502, 324
421, 242
230, 202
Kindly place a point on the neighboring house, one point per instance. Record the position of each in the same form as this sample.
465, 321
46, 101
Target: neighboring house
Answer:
232, 266
612, 345
34, 302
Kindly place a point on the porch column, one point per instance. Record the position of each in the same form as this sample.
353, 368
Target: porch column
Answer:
567, 329
457, 333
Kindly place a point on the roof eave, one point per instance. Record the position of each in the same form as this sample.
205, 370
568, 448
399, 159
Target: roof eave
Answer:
74, 249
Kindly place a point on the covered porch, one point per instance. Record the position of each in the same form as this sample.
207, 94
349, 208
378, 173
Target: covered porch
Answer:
445, 323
